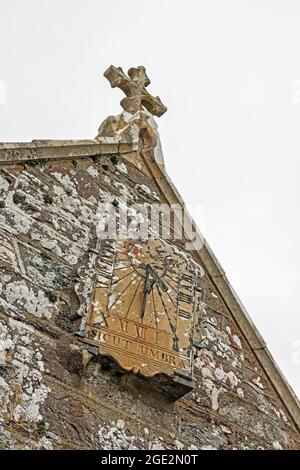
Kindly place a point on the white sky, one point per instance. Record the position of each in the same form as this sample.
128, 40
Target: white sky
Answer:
229, 73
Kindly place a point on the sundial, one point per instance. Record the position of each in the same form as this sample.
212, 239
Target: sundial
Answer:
142, 312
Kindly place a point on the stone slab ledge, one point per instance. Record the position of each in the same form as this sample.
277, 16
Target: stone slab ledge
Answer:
12, 152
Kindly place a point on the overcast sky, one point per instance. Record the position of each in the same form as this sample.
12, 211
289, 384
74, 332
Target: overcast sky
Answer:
229, 72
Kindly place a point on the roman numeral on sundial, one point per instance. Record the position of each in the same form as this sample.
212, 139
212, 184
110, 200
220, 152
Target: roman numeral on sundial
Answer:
184, 314
183, 297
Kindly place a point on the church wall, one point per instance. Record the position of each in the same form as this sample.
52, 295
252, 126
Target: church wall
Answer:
54, 392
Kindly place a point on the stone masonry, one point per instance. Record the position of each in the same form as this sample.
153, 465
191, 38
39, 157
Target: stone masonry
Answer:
55, 392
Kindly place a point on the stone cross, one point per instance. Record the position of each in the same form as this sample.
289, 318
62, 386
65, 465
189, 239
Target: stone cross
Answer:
134, 86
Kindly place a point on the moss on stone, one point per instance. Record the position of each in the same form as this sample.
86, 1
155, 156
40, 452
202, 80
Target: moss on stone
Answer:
114, 159
96, 158
18, 198
38, 162
45, 256
41, 426
48, 198
52, 297
2, 204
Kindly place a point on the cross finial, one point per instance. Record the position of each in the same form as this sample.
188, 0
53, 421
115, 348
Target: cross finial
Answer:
134, 86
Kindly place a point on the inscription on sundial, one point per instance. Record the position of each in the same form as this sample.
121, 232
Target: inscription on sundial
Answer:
142, 311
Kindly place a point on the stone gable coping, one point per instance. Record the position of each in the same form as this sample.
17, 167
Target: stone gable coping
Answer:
11, 153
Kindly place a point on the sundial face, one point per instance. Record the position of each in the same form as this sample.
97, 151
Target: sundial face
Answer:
142, 311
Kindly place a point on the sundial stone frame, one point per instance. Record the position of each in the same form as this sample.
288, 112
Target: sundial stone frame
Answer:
170, 379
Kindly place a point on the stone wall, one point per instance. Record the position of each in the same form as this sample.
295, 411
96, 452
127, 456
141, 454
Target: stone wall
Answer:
55, 394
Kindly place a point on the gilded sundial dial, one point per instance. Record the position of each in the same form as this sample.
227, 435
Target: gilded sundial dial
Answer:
143, 308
